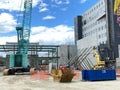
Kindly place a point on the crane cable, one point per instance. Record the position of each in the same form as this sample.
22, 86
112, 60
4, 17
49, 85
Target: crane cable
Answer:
19, 12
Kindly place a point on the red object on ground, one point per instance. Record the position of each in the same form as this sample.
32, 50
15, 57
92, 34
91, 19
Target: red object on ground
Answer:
62, 67
118, 72
77, 74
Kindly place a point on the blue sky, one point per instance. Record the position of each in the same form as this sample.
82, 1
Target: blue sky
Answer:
52, 20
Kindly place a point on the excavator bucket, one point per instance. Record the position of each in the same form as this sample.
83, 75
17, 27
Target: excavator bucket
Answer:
64, 75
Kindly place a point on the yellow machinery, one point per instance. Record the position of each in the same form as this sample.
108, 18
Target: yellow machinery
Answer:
100, 63
117, 7
62, 75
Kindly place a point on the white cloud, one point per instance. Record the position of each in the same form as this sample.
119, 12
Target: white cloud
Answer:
5, 39
61, 1
39, 29
48, 17
60, 34
43, 6
44, 9
83, 1
35, 2
7, 23
58, 2
55, 35
14, 4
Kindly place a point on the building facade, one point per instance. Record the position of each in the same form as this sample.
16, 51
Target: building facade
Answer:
66, 53
98, 26
93, 27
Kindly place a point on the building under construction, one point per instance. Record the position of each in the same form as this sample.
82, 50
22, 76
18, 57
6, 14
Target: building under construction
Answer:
95, 28
41, 54
96, 37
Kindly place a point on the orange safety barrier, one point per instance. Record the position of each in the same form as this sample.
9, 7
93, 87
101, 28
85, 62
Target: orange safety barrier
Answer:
77, 74
118, 72
40, 75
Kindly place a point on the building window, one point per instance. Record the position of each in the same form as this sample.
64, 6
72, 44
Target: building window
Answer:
97, 7
102, 27
84, 22
99, 36
99, 29
101, 3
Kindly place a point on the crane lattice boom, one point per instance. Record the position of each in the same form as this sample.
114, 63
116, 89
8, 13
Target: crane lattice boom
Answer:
24, 31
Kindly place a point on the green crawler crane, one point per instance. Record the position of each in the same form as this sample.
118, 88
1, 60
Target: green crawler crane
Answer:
19, 62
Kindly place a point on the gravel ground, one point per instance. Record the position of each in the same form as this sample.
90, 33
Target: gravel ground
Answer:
26, 82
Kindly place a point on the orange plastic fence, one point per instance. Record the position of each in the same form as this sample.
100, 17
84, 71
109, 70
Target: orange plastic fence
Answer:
118, 72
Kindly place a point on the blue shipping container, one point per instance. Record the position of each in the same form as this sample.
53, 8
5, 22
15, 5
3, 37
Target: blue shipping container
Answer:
98, 75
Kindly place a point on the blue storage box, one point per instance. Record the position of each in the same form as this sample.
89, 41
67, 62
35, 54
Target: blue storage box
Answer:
97, 75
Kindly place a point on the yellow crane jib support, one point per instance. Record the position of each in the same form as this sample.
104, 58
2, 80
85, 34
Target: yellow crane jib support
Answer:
100, 63
117, 7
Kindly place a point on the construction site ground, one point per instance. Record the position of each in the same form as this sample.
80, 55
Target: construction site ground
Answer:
39, 82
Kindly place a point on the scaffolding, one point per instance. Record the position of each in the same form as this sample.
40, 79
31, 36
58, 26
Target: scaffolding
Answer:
49, 52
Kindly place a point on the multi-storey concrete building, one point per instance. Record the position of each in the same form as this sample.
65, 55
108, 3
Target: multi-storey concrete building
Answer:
98, 25
92, 25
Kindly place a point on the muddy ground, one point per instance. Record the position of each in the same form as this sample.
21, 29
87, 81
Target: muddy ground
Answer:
27, 82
